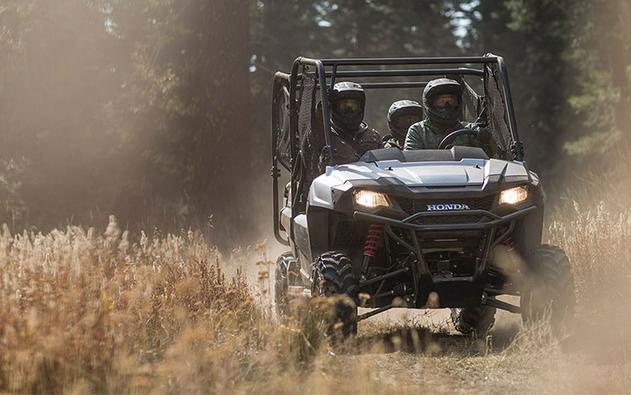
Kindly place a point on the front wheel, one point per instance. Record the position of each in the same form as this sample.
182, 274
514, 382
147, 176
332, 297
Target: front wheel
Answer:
549, 289
334, 278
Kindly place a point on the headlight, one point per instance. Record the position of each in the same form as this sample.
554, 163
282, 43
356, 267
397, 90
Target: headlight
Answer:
513, 195
370, 199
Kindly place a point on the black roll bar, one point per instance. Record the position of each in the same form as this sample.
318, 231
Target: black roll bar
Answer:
409, 60
279, 80
405, 72
293, 118
393, 85
322, 74
512, 120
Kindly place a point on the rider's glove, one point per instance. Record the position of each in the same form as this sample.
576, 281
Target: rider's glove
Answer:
325, 158
484, 135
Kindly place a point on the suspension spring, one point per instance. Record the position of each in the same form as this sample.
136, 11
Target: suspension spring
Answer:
509, 243
373, 240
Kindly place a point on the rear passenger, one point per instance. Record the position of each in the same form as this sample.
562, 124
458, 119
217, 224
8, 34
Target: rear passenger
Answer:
401, 115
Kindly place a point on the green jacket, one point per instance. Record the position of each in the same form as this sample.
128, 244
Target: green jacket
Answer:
425, 135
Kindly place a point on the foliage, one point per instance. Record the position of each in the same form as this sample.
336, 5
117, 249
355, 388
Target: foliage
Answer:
147, 108
526, 34
348, 28
593, 58
126, 107
602, 52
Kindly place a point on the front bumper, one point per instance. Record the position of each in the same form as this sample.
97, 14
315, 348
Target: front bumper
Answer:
455, 291
493, 219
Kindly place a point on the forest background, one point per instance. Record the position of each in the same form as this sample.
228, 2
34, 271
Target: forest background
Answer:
158, 111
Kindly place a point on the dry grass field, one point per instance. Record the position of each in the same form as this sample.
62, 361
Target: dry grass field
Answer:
87, 311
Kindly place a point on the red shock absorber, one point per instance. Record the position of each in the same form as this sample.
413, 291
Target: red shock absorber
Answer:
374, 238
509, 243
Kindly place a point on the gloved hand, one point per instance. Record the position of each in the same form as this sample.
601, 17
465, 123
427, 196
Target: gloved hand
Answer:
484, 135
325, 158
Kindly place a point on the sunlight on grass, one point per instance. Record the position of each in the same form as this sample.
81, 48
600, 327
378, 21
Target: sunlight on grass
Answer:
83, 312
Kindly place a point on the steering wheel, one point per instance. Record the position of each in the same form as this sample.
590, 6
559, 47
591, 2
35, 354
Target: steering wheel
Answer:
449, 139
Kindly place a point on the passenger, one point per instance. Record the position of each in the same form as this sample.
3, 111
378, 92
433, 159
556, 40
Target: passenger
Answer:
443, 108
351, 137
401, 115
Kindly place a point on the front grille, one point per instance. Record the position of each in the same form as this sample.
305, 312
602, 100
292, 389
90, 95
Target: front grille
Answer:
448, 219
414, 206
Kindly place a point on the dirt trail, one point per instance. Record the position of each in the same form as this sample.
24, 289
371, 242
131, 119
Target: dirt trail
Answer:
408, 351
405, 356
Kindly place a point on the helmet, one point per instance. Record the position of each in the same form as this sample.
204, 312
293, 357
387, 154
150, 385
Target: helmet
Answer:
347, 106
401, 115
438, 101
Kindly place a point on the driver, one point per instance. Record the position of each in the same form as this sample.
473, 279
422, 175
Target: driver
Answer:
401, 115
443, 107
351, 136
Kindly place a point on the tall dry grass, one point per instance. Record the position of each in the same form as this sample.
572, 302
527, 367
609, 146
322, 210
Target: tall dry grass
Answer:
85, 312
597, 239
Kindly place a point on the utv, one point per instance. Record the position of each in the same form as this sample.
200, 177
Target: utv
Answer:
441, 228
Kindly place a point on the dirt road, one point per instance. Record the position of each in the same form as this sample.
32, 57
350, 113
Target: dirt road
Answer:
412, 351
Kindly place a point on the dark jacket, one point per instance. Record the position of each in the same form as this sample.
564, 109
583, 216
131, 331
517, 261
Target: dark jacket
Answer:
349, 150
345, 149
425, 135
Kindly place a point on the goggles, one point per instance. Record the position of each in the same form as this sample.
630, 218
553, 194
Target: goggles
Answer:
444, 101
347, 106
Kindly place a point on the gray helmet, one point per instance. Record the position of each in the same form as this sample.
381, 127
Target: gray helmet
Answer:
347, 106
398, 109
442, 86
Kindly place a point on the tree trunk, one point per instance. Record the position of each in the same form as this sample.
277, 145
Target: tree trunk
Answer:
224, 156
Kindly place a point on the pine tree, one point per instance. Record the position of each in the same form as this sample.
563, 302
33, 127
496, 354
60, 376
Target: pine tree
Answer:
530, 35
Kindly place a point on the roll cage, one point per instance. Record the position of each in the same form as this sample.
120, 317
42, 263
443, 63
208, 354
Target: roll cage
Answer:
294, 96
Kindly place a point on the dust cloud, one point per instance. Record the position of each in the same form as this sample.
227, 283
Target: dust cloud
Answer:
97, 118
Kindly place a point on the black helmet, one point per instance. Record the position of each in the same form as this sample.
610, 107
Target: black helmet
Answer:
450, 113
398, 124
347, 106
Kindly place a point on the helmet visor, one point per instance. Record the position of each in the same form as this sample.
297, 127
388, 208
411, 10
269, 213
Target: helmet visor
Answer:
347, 106
403, 122
446, 101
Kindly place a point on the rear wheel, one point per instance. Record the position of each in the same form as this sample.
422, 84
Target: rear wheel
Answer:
284, 275
334, 277
476, 321
549, 289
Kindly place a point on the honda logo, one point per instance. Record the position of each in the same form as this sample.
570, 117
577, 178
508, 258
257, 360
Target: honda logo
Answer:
447, 207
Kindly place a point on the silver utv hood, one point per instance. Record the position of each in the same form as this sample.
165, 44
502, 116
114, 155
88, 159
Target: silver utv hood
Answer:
326, 188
